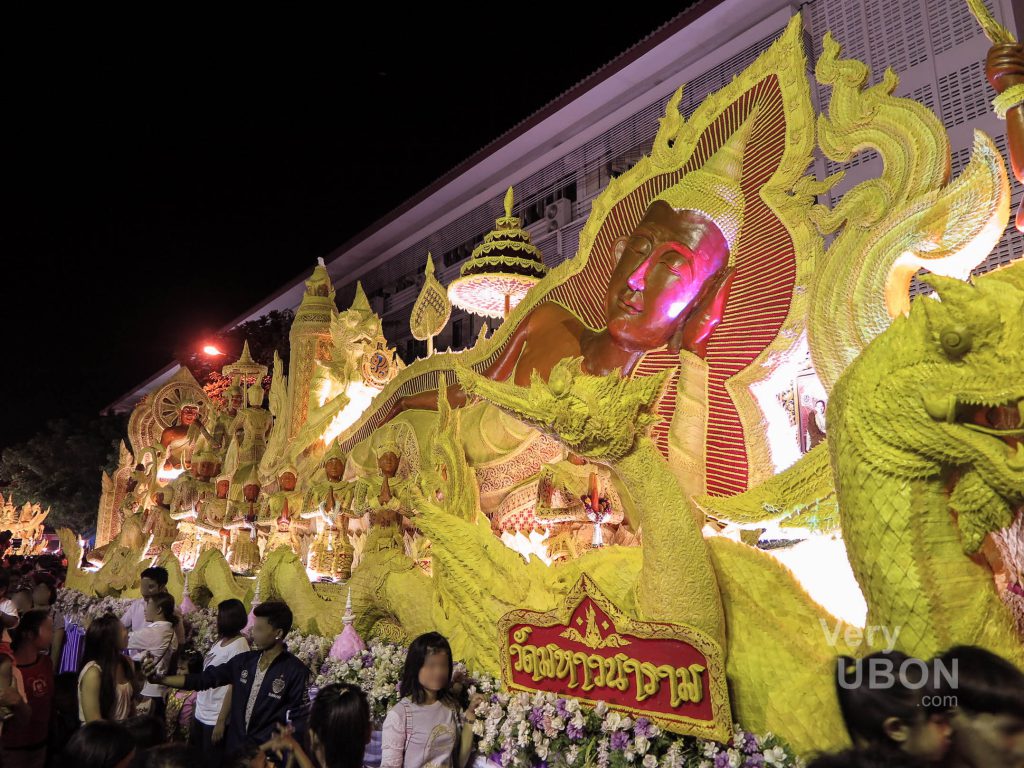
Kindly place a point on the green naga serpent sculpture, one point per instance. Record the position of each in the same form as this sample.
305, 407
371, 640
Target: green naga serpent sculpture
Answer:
925, 440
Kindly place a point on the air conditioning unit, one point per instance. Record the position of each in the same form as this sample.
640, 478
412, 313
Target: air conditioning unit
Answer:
558, 214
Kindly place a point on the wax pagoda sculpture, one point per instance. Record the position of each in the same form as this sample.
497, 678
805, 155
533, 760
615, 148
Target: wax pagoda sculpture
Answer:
500, 270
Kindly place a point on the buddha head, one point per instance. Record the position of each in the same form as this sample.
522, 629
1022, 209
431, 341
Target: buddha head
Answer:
206, 465
255, 396
288, 477
334, 463
673, 269
251, 491
385, 448
223, 484
187, 413
247, 478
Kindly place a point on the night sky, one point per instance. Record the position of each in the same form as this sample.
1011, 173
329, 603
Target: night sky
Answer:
163, 180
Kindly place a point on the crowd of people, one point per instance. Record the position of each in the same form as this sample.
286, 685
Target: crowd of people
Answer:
142, 696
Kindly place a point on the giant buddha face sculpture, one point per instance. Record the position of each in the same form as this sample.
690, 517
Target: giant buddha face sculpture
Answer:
666, 266
672, 273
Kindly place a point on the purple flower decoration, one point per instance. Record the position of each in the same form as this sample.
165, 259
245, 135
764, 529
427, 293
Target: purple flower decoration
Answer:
620, 740
574, 733
749, 744
561, 708
643, 728
367, 661
754, 761
722, 760
536, 717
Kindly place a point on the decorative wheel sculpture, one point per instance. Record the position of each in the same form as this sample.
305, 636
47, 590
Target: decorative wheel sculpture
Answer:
169, 399
158, 411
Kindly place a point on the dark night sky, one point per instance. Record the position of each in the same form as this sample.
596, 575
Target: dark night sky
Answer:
160, 184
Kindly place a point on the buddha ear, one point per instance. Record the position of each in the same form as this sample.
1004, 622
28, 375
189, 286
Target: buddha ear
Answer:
618, 247
694, 332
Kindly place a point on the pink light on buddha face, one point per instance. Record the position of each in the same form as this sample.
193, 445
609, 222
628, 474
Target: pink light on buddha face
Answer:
211, 350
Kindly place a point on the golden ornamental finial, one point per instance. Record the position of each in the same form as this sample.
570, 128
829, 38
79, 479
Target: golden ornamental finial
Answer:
714, 189
508, 203
431, 310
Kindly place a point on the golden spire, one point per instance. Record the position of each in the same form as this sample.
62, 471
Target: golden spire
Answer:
508, 203
714, 189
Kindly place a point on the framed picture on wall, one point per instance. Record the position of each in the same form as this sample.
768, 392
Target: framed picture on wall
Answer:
811, 400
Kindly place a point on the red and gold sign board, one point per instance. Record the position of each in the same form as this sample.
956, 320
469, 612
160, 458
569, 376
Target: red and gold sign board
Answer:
589, 650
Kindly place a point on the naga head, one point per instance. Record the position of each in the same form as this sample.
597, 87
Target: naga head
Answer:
940, 393
599, 417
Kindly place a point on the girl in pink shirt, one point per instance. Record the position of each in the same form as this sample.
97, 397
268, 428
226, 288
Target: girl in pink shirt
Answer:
426, 729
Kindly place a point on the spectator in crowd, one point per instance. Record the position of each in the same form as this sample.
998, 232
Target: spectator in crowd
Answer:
155, 641
21, 596
339, 729
895, 718
988, 720
146, 730
427, 726
269, 685
107, 683
65, 716
213, 706
13, 701
180, 708
867, 758
152, 582
168, 756
100, 744
8, 611
24, 737
44, 595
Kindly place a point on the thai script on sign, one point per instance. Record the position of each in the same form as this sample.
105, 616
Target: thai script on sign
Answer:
621, 672
589, 649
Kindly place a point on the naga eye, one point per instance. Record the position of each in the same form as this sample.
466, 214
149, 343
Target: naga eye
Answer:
956, 342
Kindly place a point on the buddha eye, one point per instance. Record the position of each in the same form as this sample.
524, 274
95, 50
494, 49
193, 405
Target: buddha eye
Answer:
639, 245
956, 342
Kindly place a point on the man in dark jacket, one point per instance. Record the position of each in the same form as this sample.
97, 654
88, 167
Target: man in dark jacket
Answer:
268, 685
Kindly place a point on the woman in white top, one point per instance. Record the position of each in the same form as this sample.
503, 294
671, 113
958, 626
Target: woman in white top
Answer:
107, 683
157, 640
213, 706
427, 729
